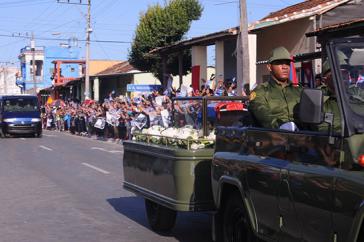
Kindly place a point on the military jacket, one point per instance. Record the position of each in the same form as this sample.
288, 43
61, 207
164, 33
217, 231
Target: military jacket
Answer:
331, 106
273, 104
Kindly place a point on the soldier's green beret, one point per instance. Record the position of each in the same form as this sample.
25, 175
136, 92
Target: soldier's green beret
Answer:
279, 53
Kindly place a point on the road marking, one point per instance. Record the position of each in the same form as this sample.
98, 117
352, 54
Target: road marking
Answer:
98, 148
45, 148
110, 151
96, 168
23, 138
49, 135
115, 151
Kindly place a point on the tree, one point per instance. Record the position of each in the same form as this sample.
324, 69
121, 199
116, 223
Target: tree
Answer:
161, 26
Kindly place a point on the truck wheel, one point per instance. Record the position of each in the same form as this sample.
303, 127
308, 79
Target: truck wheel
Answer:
38, 135
236, 227
160, 218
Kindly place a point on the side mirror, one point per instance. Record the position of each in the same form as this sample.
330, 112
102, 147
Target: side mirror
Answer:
311, 104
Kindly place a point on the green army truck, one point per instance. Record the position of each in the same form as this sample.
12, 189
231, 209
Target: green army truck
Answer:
307, 185
171, 167
265, 184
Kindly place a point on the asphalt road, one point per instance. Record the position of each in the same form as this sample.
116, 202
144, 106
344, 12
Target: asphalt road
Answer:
63, 187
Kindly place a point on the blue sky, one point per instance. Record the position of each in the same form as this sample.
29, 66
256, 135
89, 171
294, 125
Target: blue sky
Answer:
113, 20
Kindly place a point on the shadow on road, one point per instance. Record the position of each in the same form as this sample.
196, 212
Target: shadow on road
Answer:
190, 227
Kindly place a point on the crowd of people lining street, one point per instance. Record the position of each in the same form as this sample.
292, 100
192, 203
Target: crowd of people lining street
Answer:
272, 104
115, 118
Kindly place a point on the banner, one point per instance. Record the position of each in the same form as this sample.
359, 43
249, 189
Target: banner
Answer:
142, 88
196, 78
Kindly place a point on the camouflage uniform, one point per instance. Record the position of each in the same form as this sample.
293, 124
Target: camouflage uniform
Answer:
273, 104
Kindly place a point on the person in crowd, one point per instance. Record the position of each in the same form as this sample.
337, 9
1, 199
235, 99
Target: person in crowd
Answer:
220, 89
273, 103
211, 82
231, 88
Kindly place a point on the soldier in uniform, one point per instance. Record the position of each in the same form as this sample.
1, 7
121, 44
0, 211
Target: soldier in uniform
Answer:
330, 104
272, 103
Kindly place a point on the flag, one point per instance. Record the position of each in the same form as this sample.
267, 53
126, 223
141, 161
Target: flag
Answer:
307, 74
293, 73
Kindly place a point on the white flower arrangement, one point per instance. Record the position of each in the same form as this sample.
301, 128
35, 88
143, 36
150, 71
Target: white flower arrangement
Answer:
186, 137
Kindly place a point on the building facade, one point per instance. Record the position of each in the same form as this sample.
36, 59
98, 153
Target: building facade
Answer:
8, 75
43, 58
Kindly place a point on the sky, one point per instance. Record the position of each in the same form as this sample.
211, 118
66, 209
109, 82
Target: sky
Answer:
54, 23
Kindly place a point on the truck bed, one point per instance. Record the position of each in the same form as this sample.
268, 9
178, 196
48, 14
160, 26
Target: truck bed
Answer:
173, 177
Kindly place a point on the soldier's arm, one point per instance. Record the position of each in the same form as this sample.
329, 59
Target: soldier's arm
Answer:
260, 109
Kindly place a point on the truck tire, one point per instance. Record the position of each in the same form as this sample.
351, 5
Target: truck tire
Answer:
236, 226
160, 218
38, 135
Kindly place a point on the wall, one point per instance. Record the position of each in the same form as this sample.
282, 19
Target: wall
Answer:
7, 80
116, 83
274, 36
97, 66
145, 78
187, 79
149, 79
26, 57
53, 53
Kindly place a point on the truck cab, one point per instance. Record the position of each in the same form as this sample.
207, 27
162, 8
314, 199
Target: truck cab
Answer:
306, 185
19, 115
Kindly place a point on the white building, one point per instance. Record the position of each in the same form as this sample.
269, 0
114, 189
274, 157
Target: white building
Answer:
8, 80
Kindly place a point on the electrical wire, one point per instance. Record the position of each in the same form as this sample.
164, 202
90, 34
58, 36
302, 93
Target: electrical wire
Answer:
60, 39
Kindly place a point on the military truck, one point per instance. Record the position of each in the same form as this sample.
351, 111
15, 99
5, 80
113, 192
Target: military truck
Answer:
308, 185
268, 184
171, 167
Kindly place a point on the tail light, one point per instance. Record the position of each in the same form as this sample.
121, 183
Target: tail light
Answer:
361, 160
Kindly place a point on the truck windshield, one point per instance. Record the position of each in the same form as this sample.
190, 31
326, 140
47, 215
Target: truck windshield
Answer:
20, 105
351, 61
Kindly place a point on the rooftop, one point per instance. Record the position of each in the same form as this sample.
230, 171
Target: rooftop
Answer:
119, 68
300, 10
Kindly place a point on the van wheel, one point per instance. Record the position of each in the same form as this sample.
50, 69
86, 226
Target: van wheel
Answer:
160, 218
236, 226
38, 135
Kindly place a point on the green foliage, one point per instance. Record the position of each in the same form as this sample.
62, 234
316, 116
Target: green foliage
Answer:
162, 26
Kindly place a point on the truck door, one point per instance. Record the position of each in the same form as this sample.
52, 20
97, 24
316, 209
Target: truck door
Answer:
266, 161
310, 179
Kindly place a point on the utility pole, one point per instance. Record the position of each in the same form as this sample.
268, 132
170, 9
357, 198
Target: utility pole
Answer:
242, 70
5, 80
32, 48
88, 32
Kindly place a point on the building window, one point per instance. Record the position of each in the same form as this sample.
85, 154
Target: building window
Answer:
38, 67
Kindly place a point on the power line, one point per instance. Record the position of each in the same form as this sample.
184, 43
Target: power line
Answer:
22, 4
62, 39
72, 2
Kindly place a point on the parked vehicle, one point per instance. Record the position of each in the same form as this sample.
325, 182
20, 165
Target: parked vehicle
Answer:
20, 114
270, 184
